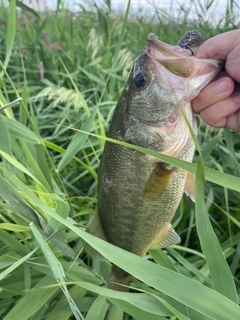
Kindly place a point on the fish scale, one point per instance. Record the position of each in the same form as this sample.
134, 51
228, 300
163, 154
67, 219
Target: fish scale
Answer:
138, 194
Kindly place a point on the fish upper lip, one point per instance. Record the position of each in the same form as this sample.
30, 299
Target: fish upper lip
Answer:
166, 49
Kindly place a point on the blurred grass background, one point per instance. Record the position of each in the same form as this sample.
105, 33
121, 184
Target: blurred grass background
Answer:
61, 72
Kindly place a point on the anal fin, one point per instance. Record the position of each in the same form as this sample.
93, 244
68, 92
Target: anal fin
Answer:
167, 238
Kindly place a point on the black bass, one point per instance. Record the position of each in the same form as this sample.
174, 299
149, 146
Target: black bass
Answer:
138, 195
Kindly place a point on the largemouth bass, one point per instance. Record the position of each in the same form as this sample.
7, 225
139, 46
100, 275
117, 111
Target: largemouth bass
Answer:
138, 194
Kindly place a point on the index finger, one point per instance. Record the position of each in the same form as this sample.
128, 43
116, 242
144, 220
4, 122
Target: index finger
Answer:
219, 46
224, 46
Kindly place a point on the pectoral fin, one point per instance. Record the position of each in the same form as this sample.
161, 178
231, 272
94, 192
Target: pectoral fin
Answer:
190, 186
158, 182
167, 238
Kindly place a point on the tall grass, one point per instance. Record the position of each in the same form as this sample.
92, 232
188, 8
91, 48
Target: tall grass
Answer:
61, 76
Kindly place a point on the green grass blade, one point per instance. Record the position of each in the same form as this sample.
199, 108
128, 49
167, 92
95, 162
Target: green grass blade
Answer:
222, 179
98, 309
230, 145
136, 267
19, 166
16, 201
189, 266
119, 44
209, 301
221, 275
13, 243
135, 312
61, 310
143, 302
81, 98
115, 313
33, 300
22, 207
174, 311
16, 264
162, 259
33, 164
20, 131
5, 137
77, 142
57, 270
222, 278
25, 8
14, 227
211, 144
43, 164
60, 150
11, 31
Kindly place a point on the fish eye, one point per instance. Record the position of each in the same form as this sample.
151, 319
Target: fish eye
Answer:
141, 79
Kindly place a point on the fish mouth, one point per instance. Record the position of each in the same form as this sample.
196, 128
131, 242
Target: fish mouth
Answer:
165, 50
180, 61
176, 60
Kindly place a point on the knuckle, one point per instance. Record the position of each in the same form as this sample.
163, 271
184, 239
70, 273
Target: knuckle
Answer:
215, 115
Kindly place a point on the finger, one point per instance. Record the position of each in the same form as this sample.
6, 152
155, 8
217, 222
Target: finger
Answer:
233, 121
219, 46
223, 113
224, 46
214, 92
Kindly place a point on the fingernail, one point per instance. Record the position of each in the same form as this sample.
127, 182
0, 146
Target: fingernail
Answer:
236, 98
220, 87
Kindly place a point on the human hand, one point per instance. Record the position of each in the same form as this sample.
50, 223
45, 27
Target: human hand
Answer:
219, 102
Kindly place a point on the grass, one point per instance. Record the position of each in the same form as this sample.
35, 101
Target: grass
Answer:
61, 76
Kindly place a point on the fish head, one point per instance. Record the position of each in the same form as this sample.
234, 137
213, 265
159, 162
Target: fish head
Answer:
163, 82
164, 75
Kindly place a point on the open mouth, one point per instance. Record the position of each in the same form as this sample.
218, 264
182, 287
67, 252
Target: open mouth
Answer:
178, 60
160, 50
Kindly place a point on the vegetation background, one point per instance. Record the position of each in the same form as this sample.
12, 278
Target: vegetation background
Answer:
62, 74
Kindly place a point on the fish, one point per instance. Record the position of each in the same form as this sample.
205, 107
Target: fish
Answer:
139, 194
